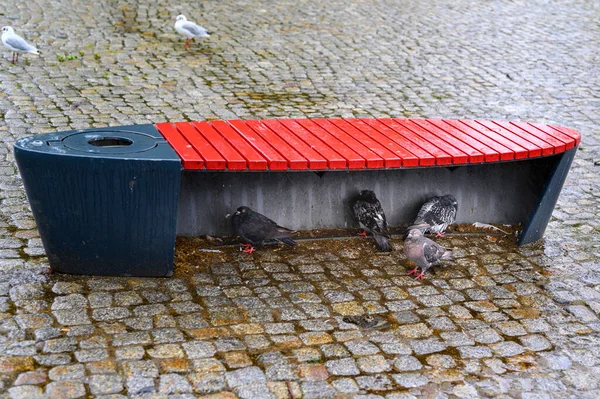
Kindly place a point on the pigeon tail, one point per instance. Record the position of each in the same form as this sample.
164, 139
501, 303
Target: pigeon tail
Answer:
382, 243
288, 241
447, 255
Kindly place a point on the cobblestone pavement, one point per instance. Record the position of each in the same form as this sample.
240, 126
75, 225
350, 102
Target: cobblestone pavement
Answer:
503, 322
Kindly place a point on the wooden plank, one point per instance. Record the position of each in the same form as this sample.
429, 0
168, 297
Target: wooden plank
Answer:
424, 158
255, 160
334, 159
408, 158
489, 154
355, 160
390, 159
449, 144
315, 160
275, 160
190, 159
569, 141
568, 131
556, 141
373, 161
505, 152
233, 159
402, 127
531, 149
517, 152
547, 148
295, 160
212, 159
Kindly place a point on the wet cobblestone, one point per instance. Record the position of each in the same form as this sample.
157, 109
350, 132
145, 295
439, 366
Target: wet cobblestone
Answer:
502, 322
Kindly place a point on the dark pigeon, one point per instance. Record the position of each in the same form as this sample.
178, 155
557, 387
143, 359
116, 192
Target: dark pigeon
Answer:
424, 252
436, 214
255, 229
369, 214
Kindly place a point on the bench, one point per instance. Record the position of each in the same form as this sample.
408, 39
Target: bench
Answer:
112, 200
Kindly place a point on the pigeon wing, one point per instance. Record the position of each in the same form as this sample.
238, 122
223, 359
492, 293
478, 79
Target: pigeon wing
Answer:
17, 43
371, 216
432, 252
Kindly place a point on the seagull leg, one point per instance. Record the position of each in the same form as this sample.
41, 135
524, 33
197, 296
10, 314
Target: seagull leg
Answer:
363, 234
17, 57
248, 248
187, 44
13, 57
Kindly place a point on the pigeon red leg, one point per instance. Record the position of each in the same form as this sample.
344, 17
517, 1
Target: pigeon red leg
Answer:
414, 271
248, 248
363, 234
420, 276
439, 234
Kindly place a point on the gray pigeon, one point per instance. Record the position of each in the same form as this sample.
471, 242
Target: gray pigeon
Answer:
436, 214
424, 252
369, 215
255, 229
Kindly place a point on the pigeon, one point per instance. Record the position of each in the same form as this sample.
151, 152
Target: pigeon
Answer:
255, 229
369, 214
436, 214
189, 30
424, 252
16, 43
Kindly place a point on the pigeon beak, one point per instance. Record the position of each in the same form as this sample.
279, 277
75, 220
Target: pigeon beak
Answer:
228, 216
237, 213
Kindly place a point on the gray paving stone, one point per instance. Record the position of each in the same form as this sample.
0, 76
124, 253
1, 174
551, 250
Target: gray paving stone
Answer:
198, 349
346, 366
103, 384
245, 376
407, 363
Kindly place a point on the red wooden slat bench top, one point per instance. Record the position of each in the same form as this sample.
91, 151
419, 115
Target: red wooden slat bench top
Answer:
334, 144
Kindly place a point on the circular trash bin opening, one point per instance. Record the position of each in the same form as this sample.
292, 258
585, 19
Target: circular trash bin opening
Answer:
110, 142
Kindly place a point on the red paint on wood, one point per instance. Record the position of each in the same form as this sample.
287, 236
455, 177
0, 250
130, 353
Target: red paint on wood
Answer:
402, 127
334, 159
294, 159
390, 159
255, 160
424, 158
274, 159
233, 158
355, 161
190, 159
212, 159
315, 160
489, 154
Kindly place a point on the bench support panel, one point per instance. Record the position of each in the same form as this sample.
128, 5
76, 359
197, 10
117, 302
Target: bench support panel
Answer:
490, 193
536, 226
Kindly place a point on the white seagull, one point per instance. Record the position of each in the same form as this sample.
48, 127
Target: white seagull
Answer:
16, 43
189, 30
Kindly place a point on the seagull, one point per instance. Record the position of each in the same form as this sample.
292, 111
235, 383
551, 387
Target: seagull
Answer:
255, 229
189, 30
436, 214
16, 43
424, 252
369, 214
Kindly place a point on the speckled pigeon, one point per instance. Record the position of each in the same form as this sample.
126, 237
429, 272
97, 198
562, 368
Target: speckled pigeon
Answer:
424, 252
436, 214
255, 229
369, 214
